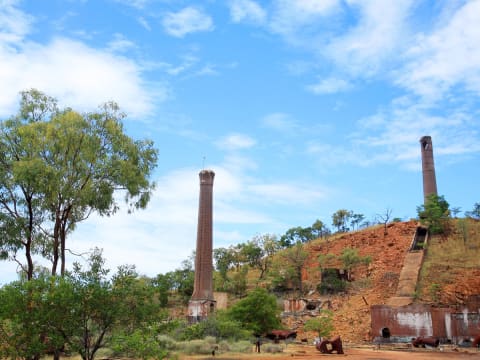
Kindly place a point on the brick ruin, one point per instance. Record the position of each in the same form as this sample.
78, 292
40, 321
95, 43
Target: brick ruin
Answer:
428, 167
203, 302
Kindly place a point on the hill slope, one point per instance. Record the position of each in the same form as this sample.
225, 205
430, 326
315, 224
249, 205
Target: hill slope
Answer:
450, 273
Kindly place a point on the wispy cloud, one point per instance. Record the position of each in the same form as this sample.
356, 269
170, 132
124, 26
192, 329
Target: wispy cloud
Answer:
291, 16
186, 21
447, 57
144, 23
330, 85
287, 193
394, 132
280, 122
364, 49
236, 142
14, 24
120, 44
139, 4
247, 11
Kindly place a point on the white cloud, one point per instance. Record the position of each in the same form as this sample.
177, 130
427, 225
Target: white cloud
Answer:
247, 10
287, 193
139, 4
14, 24
142, 21
236, 142
448, 56
365, 48
120, 44
290, 15
280, 122
330, 85
186, 21
78, 75
392, 135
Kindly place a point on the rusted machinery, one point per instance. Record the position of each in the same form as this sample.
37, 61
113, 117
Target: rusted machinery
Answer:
329, 346
277, 335
423, 341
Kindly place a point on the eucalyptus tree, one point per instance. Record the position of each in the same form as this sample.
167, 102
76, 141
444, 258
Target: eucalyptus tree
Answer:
57, 167
341, 218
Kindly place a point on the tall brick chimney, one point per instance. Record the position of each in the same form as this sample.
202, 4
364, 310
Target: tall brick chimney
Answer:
202, 302
428, 168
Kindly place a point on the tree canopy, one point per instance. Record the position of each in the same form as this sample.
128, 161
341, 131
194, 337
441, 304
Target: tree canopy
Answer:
83, 310
257, 312
434, 213
58, 167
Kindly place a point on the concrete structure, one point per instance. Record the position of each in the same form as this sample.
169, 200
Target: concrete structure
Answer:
428, 168
202, 302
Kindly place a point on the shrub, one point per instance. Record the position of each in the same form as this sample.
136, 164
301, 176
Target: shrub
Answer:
242, 346
272, 348
199, 347
166, 342
217, 326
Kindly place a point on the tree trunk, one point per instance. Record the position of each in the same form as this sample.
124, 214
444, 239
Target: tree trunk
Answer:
56, 234
28, 245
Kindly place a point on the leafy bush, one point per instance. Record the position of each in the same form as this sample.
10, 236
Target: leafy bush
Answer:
139, 344
166, 342
242, 346
331, 283
435, 213
272, 348
257, 312
198, 347
219, 326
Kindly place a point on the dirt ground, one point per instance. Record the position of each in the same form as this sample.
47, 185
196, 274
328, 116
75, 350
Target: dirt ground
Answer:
361, 353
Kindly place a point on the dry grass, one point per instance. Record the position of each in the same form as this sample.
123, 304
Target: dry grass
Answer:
449, 257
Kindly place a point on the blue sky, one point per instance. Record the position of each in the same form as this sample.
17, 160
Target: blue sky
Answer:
301, 107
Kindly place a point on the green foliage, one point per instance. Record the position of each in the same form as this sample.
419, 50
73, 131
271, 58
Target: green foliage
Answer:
341, 218
257, 312
27, 318
219, 325
58, 167
242, 346
434, 214
331, 283
259, 251
435, 290
288, 268
326, 260
303, 235
475, 213
351, 259
322, 324
197, 347
83, 310
180, 281
224, 259
140, 343
319, 229
272, 348
356, 220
